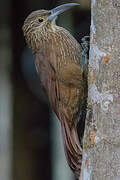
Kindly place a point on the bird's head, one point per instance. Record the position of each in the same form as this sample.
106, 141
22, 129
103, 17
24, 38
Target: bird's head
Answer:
40, 18
39, 21
36, 20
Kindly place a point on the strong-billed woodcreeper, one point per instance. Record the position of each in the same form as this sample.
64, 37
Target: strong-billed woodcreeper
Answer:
59, 63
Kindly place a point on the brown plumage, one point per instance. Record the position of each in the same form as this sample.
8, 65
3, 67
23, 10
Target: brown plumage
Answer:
58, 60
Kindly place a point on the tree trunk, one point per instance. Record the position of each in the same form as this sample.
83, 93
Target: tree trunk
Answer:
101, 156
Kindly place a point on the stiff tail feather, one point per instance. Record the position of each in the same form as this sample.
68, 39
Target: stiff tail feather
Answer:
73, 151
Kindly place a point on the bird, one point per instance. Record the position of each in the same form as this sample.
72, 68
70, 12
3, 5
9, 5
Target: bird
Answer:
62, 72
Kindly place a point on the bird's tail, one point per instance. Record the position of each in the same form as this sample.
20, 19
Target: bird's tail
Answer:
73, 151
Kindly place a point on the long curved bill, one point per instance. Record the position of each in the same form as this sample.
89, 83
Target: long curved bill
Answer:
60, 9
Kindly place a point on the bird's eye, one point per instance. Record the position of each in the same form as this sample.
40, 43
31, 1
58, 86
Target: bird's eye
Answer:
40, 20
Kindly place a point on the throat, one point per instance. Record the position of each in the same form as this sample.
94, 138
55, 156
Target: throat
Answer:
53, 24
34, 40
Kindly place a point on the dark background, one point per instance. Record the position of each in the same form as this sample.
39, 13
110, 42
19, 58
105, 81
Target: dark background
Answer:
31, 124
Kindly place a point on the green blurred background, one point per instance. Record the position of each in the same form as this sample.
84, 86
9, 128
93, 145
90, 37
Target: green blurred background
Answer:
30, 140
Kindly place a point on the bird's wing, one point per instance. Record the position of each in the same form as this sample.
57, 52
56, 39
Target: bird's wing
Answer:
61, 88
68, 76
72, 74
48, 78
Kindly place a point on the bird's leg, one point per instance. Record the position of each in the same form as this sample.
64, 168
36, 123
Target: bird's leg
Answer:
85, 45
85, 50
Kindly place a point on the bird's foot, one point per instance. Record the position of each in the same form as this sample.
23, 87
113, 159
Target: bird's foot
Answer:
85, 45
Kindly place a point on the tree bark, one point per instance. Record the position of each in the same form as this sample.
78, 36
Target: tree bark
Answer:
101, 156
